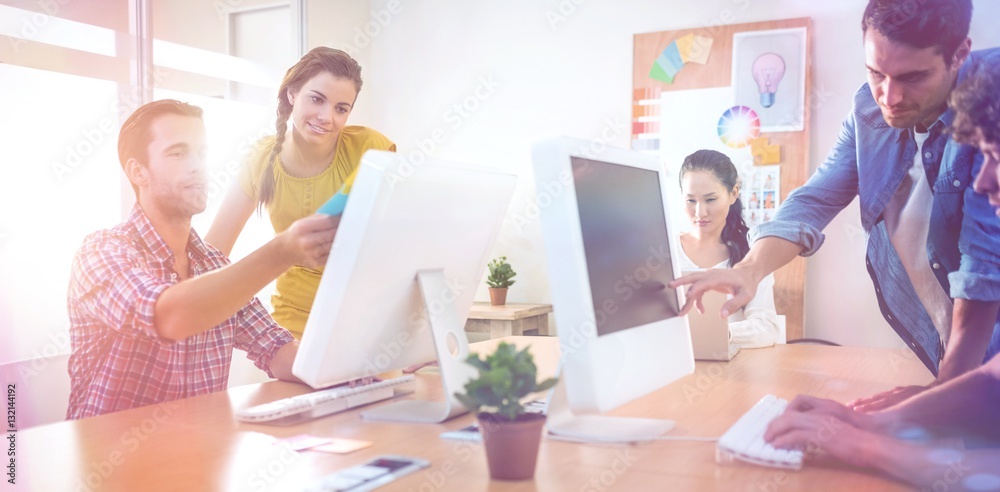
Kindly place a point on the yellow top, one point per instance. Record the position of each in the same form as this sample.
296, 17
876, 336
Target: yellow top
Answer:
295, 198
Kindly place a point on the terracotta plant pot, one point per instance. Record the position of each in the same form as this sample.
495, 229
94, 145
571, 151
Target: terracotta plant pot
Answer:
498, 297
511, 446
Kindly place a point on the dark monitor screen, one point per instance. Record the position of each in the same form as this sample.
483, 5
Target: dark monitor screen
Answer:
625, 243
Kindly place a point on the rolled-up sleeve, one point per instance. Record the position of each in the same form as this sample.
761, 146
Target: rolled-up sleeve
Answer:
801, 233
811, 207
259, 336
978, 276
109, 284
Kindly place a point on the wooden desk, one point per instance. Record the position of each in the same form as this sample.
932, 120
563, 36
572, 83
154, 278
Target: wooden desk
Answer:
508, 320
195, 444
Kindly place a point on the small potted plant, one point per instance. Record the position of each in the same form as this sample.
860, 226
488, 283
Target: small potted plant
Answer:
499, 280
511, 435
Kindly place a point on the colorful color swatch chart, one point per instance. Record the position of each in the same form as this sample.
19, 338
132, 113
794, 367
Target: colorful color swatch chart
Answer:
646, 120
685, 49
738, 126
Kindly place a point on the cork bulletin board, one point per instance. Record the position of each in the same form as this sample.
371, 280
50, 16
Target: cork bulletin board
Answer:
742, 89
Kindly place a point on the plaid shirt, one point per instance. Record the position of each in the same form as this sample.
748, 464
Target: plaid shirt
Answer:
119, 361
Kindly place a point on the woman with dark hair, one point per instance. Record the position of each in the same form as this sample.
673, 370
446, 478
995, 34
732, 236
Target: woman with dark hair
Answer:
299, 168
718, 239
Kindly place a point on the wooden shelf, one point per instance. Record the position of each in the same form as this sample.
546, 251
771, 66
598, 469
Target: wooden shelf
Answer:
508, 320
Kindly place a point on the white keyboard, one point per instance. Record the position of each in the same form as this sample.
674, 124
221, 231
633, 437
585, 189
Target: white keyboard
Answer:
744, 441
310, 406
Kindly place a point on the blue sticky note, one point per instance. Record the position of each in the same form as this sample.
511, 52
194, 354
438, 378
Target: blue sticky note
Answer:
671, 59
335, 205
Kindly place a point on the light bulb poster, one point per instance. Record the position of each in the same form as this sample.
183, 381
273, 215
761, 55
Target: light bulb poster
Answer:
769, 76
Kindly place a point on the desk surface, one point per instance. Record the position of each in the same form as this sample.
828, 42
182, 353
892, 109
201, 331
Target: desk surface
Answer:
195, 444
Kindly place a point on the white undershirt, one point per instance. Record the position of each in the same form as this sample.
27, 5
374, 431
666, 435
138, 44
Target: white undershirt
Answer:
907, 219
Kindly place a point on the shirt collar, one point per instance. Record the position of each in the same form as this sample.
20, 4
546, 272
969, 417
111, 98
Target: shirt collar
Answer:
155, 243
948, 117
940, 126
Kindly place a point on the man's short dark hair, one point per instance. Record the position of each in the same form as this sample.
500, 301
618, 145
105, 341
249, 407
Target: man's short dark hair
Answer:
941, 24
134, 137
976, 102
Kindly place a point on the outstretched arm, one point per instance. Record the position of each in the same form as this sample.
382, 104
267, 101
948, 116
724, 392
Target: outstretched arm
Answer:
765, 256
197, 304
827, 436
968, 405
281, 363
971, 328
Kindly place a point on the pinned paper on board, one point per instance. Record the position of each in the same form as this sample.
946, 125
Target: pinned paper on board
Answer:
646, 120
685, 49
695, 49
764, 152
769, 76
667, 65
761, 194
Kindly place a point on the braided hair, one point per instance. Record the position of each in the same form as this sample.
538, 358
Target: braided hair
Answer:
319, 60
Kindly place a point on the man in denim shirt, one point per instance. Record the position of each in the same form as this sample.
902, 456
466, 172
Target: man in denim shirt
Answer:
933, 243
966, 407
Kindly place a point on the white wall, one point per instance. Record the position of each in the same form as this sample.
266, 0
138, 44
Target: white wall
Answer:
546, 68
341, 24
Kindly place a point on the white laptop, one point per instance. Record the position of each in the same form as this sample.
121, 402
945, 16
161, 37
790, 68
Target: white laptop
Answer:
710, 332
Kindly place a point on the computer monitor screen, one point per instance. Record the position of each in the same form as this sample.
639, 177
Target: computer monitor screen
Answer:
369, 314
611, 253
625, 243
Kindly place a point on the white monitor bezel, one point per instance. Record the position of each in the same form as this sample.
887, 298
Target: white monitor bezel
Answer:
382, 174
601, 372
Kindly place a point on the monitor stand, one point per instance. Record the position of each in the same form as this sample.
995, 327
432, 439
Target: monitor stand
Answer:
563, 423
447, 329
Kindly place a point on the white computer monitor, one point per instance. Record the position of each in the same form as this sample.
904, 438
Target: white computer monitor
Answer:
410, 252
611, 253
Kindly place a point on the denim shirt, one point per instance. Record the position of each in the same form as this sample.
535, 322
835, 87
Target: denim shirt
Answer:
869, 161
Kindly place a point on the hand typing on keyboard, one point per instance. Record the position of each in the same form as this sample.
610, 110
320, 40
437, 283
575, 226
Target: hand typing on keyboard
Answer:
825, 428
744, 441
894, 442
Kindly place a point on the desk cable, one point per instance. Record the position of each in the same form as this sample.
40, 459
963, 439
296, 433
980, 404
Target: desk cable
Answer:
555, 437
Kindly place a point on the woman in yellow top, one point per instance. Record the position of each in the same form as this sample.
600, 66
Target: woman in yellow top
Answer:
300, 167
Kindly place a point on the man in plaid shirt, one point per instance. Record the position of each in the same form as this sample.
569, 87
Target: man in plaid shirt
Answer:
154, 311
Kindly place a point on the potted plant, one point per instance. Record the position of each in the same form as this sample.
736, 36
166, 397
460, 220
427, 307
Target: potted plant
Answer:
499, 280
510, 434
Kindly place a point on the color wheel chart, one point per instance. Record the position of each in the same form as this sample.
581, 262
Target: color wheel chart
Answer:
738, 126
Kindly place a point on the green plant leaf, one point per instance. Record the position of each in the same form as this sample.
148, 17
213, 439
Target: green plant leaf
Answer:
500, 273
469, 402
505, 377
546, 385
474, 361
